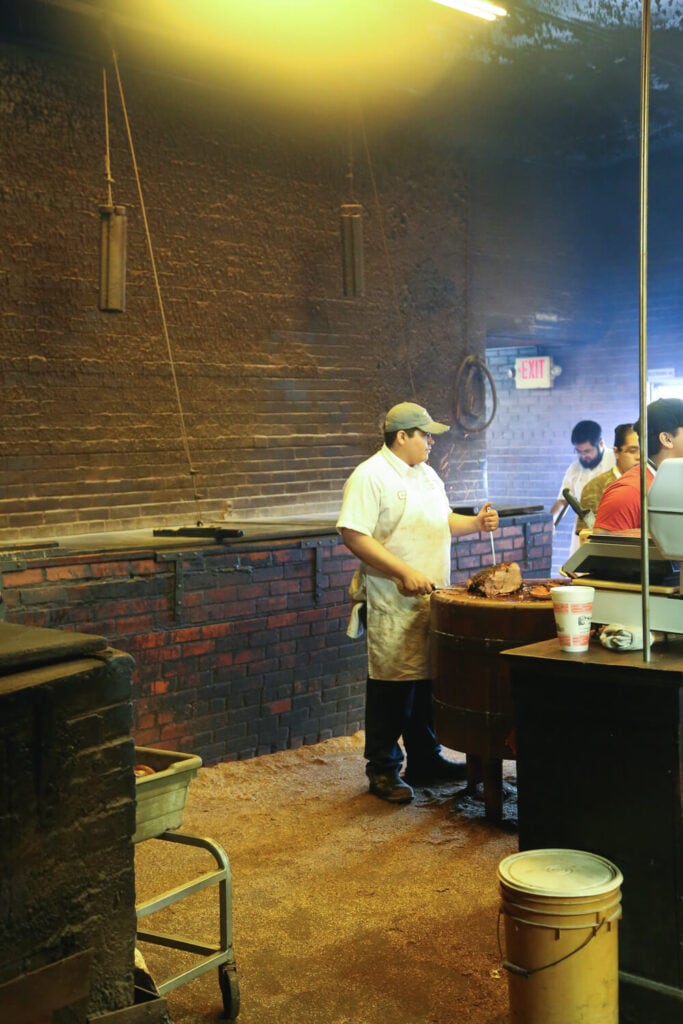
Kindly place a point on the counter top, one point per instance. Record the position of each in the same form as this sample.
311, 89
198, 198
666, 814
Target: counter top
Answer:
169, 536
252, 532
667, 657
23, 647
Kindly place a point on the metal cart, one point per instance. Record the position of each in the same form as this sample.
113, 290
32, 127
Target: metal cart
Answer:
220, 956
160, 805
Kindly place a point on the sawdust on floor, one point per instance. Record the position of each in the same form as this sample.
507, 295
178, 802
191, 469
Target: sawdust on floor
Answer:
346, 909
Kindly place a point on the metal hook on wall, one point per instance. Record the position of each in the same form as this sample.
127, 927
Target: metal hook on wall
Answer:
469, 402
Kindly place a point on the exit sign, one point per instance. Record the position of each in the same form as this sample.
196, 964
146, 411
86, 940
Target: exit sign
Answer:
534, 372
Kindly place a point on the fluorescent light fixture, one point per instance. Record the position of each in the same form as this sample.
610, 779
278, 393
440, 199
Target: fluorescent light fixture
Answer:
479, 8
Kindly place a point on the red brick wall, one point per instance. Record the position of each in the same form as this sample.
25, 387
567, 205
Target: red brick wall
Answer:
237, 651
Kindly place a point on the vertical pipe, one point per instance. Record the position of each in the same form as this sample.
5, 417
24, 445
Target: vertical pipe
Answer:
642, 333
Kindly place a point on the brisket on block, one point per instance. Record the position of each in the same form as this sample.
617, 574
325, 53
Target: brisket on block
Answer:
505, 578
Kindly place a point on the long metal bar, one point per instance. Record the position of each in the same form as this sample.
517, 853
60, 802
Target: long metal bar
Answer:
166, 899
642, 333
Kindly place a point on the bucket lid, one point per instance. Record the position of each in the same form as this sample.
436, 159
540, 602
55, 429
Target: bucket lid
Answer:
559, 873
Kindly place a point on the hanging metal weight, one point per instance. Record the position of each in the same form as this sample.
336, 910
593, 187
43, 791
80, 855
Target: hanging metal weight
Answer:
353, 266
113, 234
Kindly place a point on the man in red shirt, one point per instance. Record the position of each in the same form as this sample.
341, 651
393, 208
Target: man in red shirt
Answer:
619, 508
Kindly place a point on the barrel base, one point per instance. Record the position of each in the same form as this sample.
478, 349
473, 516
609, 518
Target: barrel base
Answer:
485, 740
489, 772
471, 683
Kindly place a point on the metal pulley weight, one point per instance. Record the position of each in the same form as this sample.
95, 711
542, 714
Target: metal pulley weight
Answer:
113, 236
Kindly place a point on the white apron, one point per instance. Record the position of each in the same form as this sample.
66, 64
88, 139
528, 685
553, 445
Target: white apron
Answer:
398, 626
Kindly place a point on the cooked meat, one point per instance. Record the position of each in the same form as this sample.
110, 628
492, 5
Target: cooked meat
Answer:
505, 578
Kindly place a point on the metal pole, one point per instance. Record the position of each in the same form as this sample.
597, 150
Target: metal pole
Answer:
642, 334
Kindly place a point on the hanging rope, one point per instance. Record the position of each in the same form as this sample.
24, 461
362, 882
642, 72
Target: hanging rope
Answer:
350, 168
150, 248
351, 227
107, 156
469, 395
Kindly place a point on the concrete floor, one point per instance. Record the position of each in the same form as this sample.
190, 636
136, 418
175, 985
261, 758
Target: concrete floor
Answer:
345, 909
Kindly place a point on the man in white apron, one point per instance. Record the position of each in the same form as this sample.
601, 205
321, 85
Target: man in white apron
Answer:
593, 459
396, 518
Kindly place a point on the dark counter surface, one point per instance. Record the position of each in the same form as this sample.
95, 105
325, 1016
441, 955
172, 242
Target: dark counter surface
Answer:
599, 755
667, 656
24, 649
252, 531
170, 536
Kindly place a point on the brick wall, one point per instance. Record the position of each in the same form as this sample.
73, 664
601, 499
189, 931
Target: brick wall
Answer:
236, 654
282, 381
238, 651
67, 815
555, 272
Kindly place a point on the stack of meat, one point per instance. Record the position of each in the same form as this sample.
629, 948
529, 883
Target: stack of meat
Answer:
504, 579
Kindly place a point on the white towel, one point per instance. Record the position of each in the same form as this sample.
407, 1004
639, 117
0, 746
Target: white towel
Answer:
357, 592
623, 638
356, 626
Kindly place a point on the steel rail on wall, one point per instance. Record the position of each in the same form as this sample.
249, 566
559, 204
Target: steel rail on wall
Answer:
646, 25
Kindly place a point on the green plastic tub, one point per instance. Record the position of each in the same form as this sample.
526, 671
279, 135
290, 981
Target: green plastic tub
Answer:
160, 798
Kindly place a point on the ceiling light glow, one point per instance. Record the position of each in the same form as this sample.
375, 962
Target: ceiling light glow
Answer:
479, 8
308, 55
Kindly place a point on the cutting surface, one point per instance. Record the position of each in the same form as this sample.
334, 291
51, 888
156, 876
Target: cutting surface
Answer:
22, 647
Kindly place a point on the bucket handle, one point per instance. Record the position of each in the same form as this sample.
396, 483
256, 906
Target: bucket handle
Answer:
526, 972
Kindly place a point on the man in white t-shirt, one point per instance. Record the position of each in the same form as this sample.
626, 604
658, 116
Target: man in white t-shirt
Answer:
593, 459
396, 518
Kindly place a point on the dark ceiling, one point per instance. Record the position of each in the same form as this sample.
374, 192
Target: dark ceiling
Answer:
554, 80
566, 77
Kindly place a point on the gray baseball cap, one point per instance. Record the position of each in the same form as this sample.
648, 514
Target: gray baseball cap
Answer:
407, 415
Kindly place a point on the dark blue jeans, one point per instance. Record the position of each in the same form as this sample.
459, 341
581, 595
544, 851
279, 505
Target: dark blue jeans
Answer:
394, 710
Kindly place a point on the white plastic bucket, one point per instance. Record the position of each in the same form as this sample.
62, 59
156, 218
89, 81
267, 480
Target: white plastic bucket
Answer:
561, 911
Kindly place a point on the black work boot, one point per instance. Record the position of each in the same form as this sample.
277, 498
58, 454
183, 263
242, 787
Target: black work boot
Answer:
391, 787
439, 769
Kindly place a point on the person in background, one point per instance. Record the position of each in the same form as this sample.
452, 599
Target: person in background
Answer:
627, 453
396, 518
593, 459
619, 508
